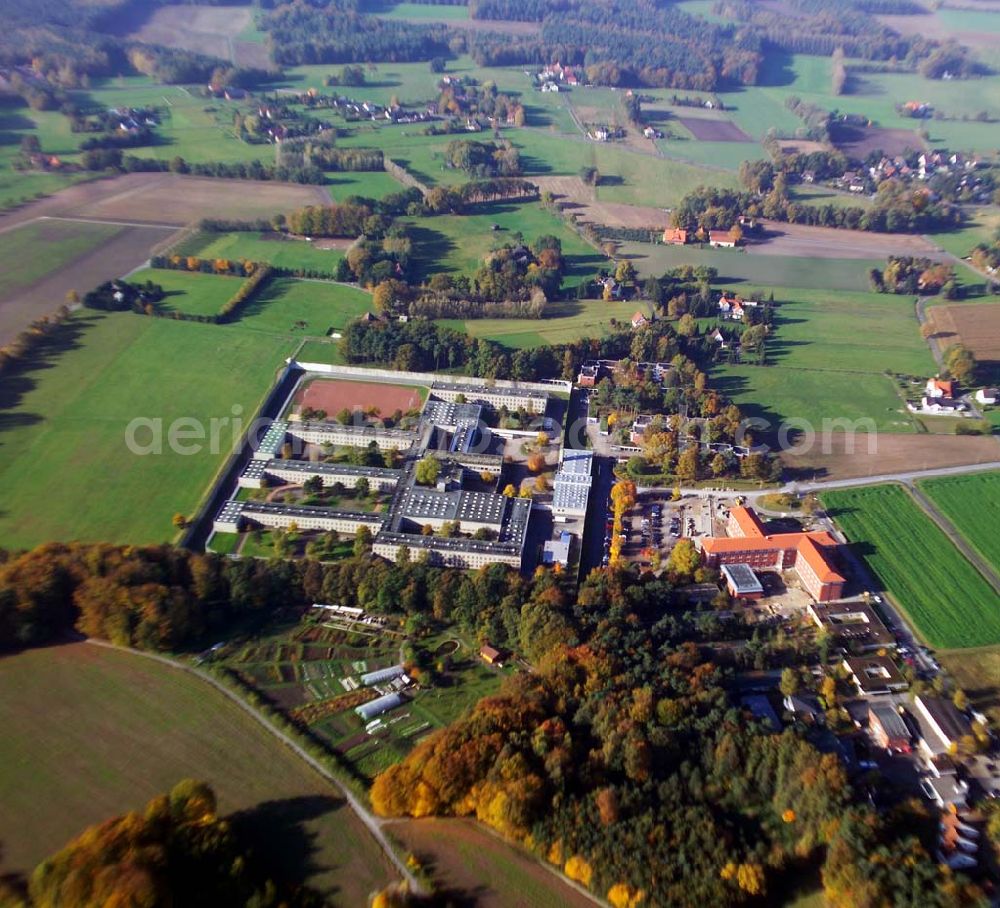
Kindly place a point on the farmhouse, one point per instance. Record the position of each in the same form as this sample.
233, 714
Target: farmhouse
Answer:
937, 389
675, 236
808, 554
722, 238
639, 320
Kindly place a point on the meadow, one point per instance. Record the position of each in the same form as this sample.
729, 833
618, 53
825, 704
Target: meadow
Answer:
949, 602
158, 725
972, 504
457, 244
190, 292
38, 249
303, 307
563, 322
62, 438
275, 249
737, 267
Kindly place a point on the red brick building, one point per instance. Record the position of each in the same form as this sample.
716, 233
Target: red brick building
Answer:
808, 554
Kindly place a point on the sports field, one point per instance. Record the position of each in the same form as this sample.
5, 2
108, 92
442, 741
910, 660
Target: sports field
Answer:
191, 292
946, 598
332, 396
273, 248
972, 504
91, 732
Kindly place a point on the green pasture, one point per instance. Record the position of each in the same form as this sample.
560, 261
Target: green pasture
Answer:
982, 227
372, 184
945, 597
90, 733
191, 292
275, 249
457, 244
37, 249
64, 464
562, 323
972, 504
736, 267
425, 11
309, 308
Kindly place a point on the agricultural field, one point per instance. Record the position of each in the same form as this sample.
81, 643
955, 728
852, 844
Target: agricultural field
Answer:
465, 856
977, 672
948, 601
972, 504
434, 11
159, 725
457, 244
274, 248
563, 322
294, 308
372, 184
190, 292
312, 671
977, 326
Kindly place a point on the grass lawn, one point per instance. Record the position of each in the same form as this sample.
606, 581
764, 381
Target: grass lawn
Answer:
982, 228
373, 184
37, 249
828, 358
425, 11
286, 302
945, 597
263, 247
159, 725
972, 504
736, 267
64, 464
564, 322
191, 292
321, 352
457, 244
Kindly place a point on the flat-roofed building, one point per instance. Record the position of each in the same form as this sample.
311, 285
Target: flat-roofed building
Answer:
230, 517
855, 623
269, 444
571, 487
348, 436
297, 471
947, 725
308, 517
556, 551
742, 582
492, 395
875, 674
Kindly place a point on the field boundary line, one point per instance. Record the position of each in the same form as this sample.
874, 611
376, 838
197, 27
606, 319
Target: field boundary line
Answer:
372, 823
153, 225
954, 535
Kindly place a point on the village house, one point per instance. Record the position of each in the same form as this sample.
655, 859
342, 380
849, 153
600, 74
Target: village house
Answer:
675, 236
639, 320
987, 396
724, 239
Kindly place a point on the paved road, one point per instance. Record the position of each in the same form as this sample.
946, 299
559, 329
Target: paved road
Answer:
373, 823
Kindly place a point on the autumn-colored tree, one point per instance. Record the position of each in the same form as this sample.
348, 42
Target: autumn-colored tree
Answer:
510, 490
684, 559
541, 483
536, 463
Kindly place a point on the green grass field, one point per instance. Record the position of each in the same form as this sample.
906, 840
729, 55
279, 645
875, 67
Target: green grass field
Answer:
972, 504
262, 247
191, 292
373, 184
946, 598
37, 249
828, 358
285, 302
90, 733
65, 468
457, 244
564, 322
425, 11
736, 267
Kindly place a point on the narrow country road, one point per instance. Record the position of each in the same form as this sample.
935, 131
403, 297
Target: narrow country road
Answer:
372, 823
